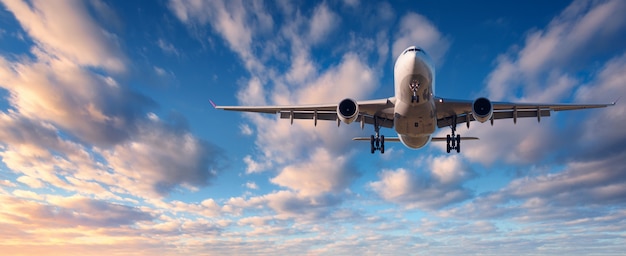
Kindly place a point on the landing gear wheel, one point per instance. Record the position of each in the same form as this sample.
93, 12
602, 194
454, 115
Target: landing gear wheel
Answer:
377, 142
453, 140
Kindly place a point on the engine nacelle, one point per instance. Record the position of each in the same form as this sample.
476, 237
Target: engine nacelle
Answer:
347, 110
482, 109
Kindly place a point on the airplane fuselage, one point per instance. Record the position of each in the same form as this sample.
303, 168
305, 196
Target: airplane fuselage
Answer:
414, 112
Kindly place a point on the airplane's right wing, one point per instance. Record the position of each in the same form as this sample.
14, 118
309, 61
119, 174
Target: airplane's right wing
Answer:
449, 110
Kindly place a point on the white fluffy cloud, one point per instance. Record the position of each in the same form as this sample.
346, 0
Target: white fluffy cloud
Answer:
438, 185
160, 157
417, 30
321, 173
93, 107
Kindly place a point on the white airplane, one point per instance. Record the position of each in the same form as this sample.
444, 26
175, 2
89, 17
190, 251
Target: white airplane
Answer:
414, 112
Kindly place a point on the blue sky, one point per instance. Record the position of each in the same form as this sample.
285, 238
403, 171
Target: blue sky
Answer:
108, 143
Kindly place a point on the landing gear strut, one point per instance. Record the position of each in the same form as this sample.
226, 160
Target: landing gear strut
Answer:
453, 142
377, 141
414, 85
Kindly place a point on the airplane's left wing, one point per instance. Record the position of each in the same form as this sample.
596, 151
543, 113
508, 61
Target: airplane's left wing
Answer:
451, 111
367, 112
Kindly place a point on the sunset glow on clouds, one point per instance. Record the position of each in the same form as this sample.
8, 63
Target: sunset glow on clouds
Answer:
109, 146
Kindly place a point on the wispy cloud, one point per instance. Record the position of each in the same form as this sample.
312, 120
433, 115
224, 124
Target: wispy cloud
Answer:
167, 47
322, 23
544, 70
65, 28
581, 25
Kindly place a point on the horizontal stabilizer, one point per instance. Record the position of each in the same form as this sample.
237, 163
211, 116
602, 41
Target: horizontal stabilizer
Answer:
387, 139
445, 139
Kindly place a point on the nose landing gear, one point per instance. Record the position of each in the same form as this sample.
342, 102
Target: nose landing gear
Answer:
414, 85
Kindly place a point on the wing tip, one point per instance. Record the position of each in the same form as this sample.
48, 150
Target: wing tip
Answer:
213, 104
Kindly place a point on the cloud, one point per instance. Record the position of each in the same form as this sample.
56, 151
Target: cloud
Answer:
574, 194
167, 47
160, 157
31, 182
251, 185
302, 69
65, 28
546, 70
253, 166
321, 173
582, 25
322, 23
351, 3
71, 126
36, 150
205, 208
163, 156
416, 29
600, 134
235, 21
93, 107
440, 186
245, 129
69, 212
287, 205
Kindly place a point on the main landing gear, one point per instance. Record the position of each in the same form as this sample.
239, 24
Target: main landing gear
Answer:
377, 141
453, 142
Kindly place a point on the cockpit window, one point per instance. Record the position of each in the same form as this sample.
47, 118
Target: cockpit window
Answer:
412, 49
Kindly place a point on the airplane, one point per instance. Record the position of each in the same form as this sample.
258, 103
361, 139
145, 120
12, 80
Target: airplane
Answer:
414, 112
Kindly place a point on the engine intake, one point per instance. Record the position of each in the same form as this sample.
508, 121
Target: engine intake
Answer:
482, 109
347, 110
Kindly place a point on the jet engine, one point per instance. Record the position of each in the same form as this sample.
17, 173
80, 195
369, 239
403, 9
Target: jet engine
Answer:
482, 109
347, 110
